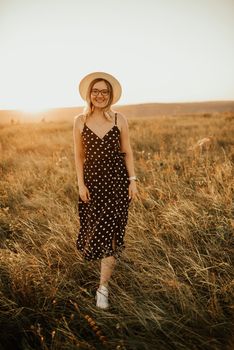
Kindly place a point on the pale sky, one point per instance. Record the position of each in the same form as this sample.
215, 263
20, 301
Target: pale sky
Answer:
159, 50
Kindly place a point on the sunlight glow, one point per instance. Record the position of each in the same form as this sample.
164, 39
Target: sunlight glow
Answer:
33, 110
33, 113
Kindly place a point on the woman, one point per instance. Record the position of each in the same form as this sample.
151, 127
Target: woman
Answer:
106, 177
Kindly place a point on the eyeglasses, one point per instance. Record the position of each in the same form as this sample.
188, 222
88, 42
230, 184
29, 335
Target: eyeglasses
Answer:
104, 92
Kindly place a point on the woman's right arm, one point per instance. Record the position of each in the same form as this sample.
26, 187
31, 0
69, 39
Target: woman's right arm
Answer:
79, 159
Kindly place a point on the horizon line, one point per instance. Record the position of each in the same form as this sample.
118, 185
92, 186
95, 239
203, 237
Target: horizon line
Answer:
117, 105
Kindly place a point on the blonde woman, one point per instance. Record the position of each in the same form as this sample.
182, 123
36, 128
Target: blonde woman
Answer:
105, 173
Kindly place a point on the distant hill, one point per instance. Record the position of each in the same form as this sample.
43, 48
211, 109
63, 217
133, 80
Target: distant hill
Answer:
131, 111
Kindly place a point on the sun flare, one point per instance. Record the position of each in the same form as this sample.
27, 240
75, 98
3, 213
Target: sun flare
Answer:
33, 109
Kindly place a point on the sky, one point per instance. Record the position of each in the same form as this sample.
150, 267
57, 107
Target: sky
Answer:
159, 50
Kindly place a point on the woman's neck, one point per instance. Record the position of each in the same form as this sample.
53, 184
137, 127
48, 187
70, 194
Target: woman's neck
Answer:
98, 116
99, 113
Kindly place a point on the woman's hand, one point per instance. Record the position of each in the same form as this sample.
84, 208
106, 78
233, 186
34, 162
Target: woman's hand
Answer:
84, 193
132, 189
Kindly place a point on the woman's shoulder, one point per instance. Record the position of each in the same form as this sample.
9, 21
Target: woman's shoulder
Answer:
120, 116
79, 121
121, 120
79, 118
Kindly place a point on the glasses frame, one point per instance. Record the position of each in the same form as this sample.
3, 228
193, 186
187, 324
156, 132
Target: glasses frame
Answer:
107, 92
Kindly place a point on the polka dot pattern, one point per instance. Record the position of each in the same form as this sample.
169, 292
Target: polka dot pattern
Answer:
104, 217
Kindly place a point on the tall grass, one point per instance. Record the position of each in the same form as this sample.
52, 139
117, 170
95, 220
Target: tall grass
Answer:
172, 288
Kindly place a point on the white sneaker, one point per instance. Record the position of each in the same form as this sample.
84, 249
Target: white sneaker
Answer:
102, 297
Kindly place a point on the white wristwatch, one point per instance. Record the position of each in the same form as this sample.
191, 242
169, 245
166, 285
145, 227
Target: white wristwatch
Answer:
132, 178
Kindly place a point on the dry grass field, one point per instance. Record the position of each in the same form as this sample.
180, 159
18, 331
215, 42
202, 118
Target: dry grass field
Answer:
173, 287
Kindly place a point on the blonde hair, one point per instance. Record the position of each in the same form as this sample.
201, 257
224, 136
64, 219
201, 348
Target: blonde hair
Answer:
89, 108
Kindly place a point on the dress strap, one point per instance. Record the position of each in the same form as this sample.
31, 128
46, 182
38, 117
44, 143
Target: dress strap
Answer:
84, 125
115, 118
84, 121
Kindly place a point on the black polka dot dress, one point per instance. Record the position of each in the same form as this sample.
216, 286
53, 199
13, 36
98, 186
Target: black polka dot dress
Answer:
104, 217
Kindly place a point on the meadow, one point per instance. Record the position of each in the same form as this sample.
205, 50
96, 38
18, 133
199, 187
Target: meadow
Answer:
173, 287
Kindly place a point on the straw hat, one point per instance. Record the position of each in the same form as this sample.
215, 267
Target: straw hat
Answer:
85, 82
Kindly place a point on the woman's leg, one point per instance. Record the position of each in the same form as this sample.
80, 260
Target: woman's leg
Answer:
107, 267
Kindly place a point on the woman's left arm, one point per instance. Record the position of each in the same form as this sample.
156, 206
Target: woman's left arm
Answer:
126, 148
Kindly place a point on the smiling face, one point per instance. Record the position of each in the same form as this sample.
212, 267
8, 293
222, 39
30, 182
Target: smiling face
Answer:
100, 94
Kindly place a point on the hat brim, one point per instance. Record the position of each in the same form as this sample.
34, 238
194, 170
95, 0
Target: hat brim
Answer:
85, 82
